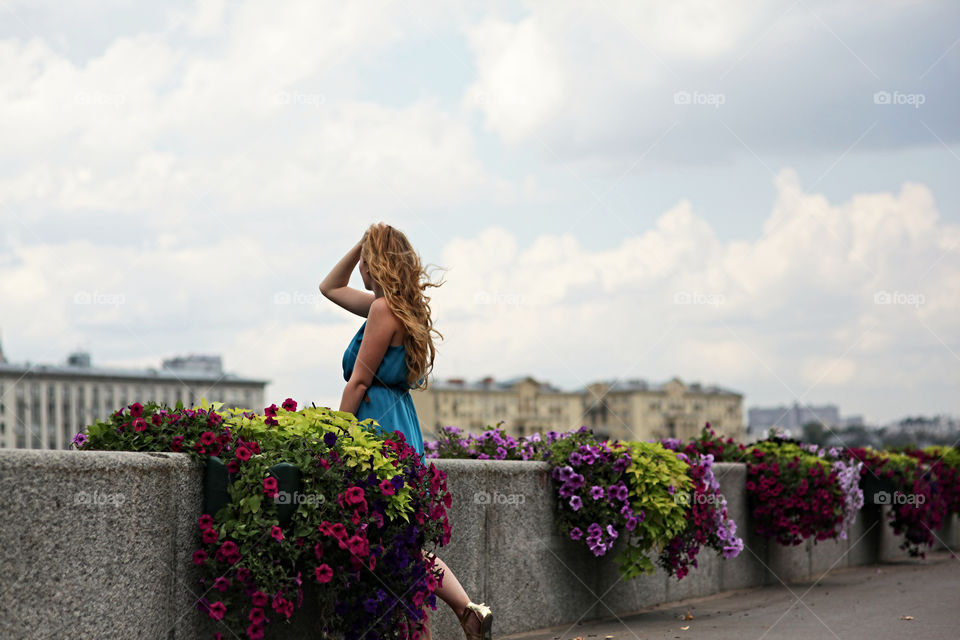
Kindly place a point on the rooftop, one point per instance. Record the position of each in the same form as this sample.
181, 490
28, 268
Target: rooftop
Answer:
188, 368
615, 385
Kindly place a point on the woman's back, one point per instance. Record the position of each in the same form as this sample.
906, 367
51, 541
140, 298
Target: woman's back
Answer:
388, 398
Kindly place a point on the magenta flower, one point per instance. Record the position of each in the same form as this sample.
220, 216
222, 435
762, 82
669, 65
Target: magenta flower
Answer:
217, 610
323, 573
387, 487
270, 487
276, 533
289, 404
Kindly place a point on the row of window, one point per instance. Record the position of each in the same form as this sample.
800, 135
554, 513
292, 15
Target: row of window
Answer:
76, 412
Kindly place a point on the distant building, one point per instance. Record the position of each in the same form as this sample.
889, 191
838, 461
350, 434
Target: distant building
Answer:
791, 419
43, 406
638, 410
630, 410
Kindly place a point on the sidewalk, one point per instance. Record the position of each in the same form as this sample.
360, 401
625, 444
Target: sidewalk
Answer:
914, 598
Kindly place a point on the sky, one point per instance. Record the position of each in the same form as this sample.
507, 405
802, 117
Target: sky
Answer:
757, 195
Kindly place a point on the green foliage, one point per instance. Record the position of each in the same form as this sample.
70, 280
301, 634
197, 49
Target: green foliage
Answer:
656, 478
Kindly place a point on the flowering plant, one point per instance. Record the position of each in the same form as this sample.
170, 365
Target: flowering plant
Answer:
707, 523
641, 492
710, 443
367, 509
492, 444
796, 493
593, 499
945, 463
918, 505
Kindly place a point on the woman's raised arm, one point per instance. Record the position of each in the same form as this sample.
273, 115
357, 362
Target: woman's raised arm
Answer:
335, 286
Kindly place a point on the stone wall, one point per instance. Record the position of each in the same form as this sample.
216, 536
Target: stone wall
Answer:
99, 544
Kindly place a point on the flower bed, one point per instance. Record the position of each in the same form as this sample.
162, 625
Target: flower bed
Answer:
366, 511
796, 491
661, 501
923, 490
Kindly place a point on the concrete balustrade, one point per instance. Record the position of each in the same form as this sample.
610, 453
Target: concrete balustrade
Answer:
99, 544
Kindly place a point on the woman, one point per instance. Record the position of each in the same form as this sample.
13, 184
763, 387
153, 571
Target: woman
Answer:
390, 353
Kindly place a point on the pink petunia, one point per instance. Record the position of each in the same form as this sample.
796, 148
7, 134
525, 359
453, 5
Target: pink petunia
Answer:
218, 610
270, 486
323, 573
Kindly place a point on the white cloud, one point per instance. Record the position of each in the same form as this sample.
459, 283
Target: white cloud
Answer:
601, 82
790, 310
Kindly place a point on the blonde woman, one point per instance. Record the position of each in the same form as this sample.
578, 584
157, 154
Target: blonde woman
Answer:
392, 352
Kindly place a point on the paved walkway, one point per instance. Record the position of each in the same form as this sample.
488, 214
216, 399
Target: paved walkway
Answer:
911, 599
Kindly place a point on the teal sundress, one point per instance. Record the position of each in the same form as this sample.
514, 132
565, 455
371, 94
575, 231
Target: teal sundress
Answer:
389, 403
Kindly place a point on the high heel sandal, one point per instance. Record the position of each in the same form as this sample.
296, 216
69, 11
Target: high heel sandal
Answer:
484, 615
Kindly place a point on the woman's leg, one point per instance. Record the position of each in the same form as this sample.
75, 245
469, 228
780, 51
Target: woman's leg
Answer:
451, 592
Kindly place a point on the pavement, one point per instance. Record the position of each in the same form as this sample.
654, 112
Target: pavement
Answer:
914, 598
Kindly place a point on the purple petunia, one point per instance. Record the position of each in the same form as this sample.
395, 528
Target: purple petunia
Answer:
576, 503
596, 492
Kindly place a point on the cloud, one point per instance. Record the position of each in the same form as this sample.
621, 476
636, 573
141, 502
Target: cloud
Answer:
612, 81
157, 129
793, 312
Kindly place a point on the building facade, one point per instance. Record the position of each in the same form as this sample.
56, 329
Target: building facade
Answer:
638, 410
43, 406
631, 410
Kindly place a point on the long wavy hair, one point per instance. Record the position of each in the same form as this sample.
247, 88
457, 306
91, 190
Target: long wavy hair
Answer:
396, 267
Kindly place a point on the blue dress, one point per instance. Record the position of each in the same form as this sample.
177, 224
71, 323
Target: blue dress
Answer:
390, 402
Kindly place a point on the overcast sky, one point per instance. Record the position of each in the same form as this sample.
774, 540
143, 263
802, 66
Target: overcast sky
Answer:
759, 195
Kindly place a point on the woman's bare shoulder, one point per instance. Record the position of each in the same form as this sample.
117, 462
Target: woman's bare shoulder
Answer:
381, 311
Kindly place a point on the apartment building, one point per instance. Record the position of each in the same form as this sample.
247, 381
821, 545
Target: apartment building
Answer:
43, 406
626, 410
